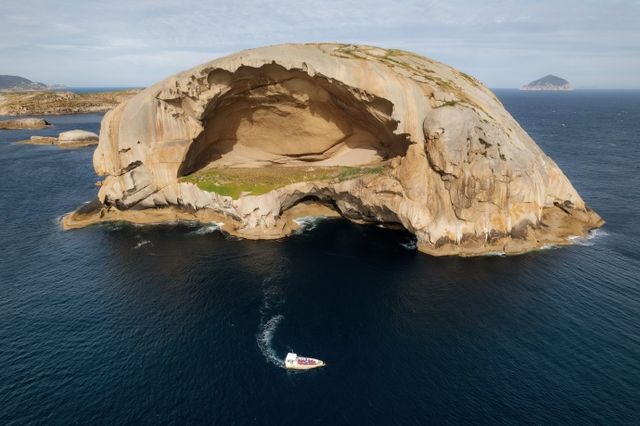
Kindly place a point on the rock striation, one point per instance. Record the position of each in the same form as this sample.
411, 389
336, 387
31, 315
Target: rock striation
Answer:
413, 142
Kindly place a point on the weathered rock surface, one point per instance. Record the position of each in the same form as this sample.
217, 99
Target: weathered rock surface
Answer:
459, 172
23, 123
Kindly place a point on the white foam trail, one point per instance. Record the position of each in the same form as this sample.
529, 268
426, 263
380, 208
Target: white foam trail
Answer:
142, 244
307, 223
590, 239
265, 339
271, 297
208, 229
271, 300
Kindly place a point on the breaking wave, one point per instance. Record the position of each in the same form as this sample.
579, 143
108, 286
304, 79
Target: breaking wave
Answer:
410, 245
114, 226
308, 223
208, 229
590, 239
142, 244
495, 254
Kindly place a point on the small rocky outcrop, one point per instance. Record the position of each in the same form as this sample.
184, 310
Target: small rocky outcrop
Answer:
24, 123
77, 137
69, 139
374, 135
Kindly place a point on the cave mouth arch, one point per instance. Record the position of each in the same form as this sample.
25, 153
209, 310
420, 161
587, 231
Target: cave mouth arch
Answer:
312, 209
274, 117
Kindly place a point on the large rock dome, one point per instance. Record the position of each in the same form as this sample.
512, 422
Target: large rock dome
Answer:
376, 135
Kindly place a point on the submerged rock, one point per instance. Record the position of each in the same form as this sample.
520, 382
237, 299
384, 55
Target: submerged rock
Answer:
411, 141
23, 123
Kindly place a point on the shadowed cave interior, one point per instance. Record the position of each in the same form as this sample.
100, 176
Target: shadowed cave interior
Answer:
274, 117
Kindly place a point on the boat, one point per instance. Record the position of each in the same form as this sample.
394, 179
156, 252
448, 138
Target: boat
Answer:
295, 362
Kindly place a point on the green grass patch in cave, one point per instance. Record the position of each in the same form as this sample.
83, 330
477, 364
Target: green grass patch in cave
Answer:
237, 182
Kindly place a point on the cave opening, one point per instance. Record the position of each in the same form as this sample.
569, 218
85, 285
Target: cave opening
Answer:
316, 200
274, 117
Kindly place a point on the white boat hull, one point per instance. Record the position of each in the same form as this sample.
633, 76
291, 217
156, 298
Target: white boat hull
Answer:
294, 362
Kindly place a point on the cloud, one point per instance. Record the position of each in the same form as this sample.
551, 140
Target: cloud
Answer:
503, 42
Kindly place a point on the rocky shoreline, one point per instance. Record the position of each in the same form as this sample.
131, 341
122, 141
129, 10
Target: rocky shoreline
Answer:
24, 123
95, 212
61, 102
557, 228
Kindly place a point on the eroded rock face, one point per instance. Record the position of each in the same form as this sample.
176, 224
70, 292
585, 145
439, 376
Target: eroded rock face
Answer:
459, 172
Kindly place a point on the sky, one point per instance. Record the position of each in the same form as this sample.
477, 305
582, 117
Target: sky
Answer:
504, 43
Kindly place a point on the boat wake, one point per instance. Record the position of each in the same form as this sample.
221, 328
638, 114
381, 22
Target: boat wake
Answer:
265, 339
272, 299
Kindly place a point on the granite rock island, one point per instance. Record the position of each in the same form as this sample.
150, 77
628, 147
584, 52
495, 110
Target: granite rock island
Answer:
255, 139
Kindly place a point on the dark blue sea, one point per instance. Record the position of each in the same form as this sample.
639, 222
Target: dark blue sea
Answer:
118, 324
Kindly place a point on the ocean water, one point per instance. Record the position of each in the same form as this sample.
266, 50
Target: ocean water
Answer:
118, 324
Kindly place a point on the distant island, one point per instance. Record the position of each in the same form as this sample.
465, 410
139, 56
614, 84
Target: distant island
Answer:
16, 83
548, 83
